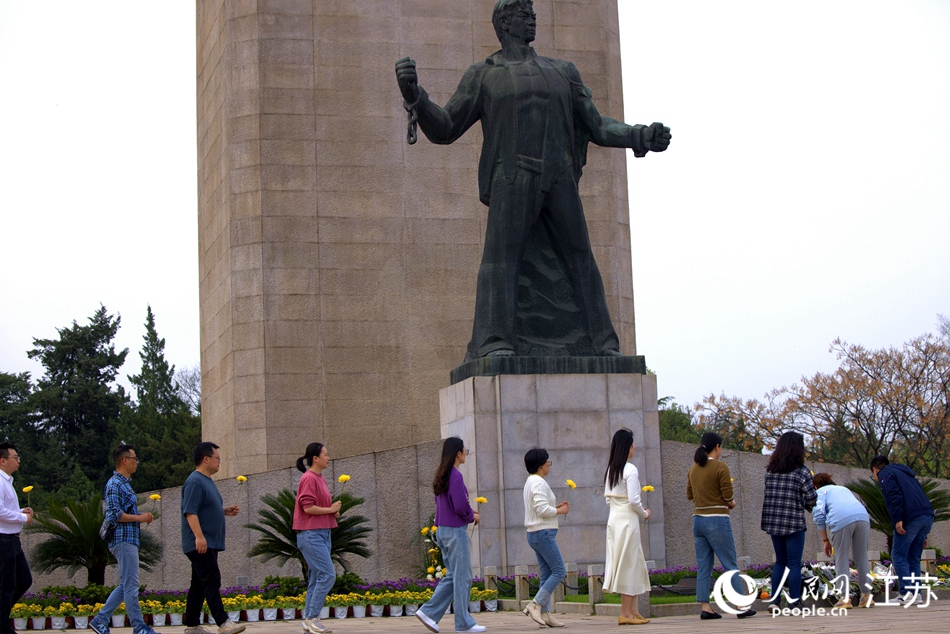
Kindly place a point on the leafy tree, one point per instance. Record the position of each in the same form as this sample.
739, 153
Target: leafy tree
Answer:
278, 539
77, 400
870, 493
189, 387
677, 424
894, 402
160, 425
74, 541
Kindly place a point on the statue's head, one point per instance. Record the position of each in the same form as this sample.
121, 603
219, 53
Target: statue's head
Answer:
507, 11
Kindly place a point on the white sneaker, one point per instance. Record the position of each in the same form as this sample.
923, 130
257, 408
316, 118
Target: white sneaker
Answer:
429, 623
230, 627
474, 628
314, 626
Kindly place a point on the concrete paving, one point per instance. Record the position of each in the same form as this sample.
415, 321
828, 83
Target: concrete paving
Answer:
933, 618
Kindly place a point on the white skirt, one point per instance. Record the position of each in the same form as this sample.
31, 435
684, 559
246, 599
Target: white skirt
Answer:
625, 571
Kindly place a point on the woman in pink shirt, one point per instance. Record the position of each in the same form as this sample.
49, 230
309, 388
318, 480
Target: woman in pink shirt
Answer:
315, 514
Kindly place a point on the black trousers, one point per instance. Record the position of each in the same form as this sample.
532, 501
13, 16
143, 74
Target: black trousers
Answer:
205, 586
15, 578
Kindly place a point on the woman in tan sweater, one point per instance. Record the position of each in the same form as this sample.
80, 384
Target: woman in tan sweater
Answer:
709, 487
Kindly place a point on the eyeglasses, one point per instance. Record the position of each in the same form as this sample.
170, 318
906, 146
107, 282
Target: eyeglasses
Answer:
135, 458
465, 450
13, 457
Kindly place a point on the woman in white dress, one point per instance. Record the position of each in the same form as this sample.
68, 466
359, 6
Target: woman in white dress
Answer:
626, 569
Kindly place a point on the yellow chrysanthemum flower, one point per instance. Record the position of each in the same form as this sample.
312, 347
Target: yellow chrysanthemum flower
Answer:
648, 488
343, 478
155, 497
241, 479
28, 489
425, 530
570, 483
430, 570
481, 500
435, 528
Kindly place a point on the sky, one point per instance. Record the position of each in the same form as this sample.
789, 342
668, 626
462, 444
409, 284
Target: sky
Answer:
805, 195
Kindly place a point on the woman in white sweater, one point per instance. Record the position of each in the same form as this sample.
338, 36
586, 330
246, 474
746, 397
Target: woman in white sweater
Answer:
540, 518
626, 569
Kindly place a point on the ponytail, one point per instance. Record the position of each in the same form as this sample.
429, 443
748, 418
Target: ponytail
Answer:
314, 450
709, 442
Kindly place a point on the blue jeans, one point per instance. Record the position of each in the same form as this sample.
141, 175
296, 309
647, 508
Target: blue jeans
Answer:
907, 548
550, 562
457, 583
713, 536
315, 546
788, 554
127, 556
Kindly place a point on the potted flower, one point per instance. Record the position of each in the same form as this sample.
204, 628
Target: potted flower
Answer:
340, 605
58, 615
270, 609
253, 607
288, 607
175, 611
233, 606
359, 603
377, 603
490, 597
82, 614
118, 617
151, 607
37, 618
396, 603
414, 600
20, 612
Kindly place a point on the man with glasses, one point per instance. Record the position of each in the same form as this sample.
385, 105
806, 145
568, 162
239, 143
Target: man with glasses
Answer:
15, 577
202, 538
122, 512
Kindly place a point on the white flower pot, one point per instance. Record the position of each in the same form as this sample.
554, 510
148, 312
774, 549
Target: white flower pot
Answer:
252, 615
58, 622
174, 618
288, 613
376, 610
411, 609
324, 613
37, 622
19, 624
359, 611
158, 620
340, 613
270, 614
491, 605
395, 610
234, 615
118, 620
474, 607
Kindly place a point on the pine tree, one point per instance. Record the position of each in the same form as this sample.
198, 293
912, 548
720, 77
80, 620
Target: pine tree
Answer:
76, 400
159, 424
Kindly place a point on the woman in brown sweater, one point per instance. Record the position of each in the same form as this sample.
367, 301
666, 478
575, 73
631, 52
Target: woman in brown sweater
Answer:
709, 487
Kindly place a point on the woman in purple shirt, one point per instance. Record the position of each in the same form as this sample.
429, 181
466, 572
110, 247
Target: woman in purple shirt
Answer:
453, 514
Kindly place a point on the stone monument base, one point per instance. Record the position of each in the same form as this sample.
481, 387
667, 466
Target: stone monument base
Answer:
573, 417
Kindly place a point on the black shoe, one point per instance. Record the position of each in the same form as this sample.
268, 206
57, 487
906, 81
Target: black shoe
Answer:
746, 614
709, 615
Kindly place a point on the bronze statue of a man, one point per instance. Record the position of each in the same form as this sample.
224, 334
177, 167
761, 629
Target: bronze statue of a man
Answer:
539, 291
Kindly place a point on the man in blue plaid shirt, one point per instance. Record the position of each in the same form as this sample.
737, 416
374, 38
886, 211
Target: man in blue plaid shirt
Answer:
123, 513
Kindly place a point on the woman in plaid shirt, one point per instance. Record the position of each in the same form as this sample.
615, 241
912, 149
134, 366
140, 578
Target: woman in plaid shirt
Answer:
788, 493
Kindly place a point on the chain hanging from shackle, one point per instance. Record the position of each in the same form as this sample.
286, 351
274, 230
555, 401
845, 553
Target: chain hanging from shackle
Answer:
411, 134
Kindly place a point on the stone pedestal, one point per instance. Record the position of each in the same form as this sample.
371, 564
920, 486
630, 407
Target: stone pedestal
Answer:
573, 417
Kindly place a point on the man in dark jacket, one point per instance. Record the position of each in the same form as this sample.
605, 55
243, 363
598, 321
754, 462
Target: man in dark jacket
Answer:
911, 514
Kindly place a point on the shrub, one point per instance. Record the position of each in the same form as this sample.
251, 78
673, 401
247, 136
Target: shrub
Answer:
345, 583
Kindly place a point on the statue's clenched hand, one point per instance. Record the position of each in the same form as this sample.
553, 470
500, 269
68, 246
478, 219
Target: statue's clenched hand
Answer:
408, 79
656, 137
